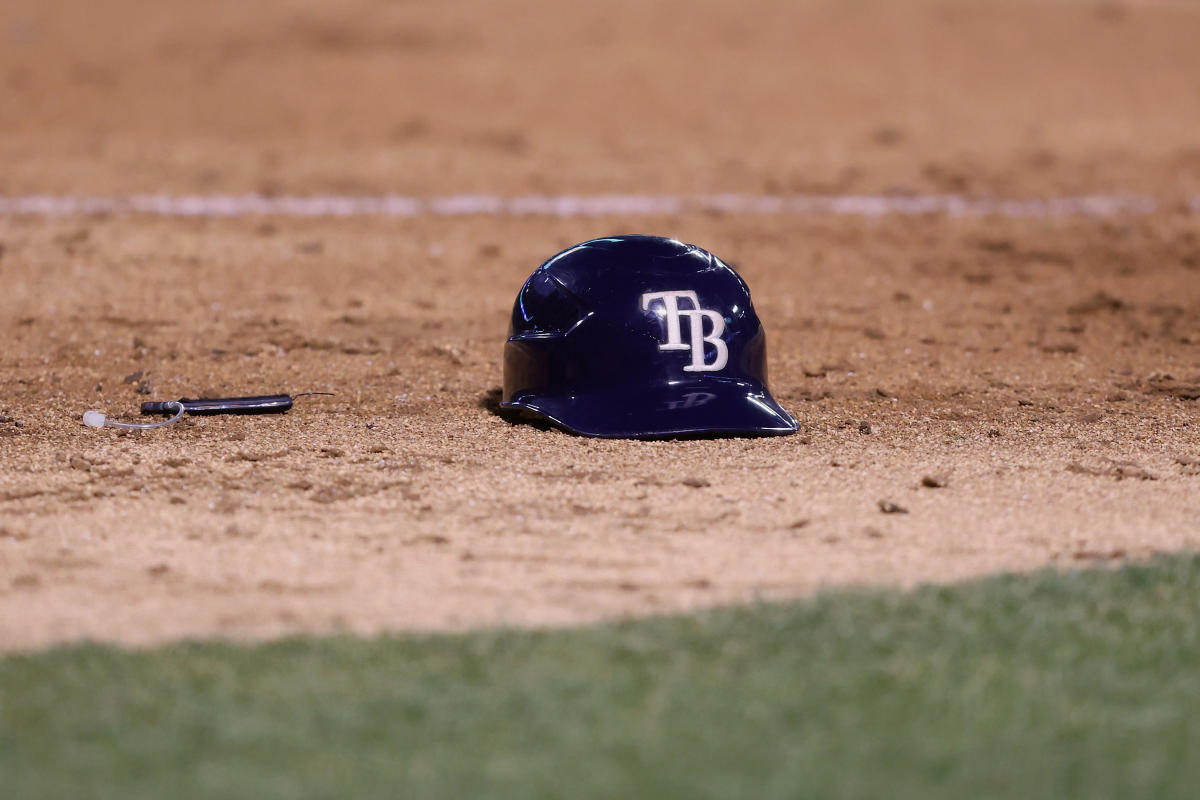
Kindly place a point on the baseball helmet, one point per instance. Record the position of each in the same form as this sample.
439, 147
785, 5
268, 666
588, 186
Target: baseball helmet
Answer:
640, 337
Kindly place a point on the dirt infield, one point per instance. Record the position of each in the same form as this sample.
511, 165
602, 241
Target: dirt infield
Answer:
1027, 391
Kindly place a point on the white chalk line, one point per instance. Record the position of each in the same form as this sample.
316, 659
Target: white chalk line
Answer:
570, 205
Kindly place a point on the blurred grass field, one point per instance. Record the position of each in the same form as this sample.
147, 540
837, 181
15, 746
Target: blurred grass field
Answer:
1076, 685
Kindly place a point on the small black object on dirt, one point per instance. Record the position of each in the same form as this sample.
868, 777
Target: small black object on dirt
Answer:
261, 404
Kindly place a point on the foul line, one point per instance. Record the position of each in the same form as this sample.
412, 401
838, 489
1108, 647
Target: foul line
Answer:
216, 205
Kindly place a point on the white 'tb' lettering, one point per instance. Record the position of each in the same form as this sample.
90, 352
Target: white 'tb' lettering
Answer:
696, 316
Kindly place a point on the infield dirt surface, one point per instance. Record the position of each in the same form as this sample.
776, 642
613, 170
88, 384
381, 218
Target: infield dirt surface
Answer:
1025, 391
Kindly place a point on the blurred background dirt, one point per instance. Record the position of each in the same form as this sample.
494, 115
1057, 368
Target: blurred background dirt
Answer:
1016, 392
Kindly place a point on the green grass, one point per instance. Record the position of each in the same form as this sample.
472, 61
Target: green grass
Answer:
1083, 685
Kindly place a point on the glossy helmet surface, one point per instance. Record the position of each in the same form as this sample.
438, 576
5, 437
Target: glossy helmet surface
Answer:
640, 336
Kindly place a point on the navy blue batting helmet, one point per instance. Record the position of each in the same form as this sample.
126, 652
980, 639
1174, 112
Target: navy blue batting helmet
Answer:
640, 336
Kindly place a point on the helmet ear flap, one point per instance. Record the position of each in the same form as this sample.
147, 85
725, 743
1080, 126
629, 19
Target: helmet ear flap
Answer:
529, 366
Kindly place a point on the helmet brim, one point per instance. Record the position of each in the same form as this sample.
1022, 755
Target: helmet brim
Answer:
709, 407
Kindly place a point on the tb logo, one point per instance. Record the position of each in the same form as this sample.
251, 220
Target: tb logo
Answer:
690, 400
696, 338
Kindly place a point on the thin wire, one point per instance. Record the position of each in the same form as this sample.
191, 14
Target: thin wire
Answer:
144, 426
